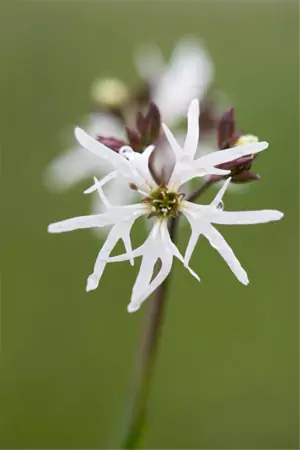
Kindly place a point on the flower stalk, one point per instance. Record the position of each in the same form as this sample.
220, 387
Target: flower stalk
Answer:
162, 199
146, 359
145, 364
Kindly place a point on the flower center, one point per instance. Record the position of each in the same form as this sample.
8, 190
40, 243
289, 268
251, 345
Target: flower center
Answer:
163, 203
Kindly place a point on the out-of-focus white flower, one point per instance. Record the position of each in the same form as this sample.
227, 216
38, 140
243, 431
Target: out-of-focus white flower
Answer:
172, 87
162, 201
76, 165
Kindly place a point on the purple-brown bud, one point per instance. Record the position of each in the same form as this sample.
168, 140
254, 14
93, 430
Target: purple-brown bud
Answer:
226, 129
149, 125
148, 129
228, 137
112, 143
134, 140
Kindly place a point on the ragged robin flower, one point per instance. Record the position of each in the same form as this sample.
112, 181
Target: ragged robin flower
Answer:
160, 202
169, 85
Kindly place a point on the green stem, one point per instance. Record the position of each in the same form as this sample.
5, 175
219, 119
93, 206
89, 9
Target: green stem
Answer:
146, 359
149, 347
200, 190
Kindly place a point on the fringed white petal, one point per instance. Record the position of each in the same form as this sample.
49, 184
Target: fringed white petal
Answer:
191, 245
178, 255
140, 162
143, 287
77, 223
116, 214
201, 218
230, 154
218, 242
101, 182
119, 231
118, 193
245, 217
200, 225
184, 173
172, 141
158, 246
102, 195
97, 148
219, 197
129, 164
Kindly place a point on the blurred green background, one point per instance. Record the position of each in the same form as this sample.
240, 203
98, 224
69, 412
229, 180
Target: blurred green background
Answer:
227, 372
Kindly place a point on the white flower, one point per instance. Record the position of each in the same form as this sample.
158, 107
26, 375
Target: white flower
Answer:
173, 87
162, 202
187, 75
76, 165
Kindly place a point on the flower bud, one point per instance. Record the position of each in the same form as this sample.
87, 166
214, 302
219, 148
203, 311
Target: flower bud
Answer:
109, 93
134, 140
226, 129
112, 143
153, 123
229, 137
148, 129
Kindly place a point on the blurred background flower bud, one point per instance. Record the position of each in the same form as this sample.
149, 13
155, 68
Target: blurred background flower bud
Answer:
110, 93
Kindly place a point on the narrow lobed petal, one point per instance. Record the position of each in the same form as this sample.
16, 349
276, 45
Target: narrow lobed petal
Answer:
217, 241
191, 246
119, 231
219, 197
141, 165
230, 154
246, 217
184, 173
101, 182
102, 196
172, 141
95, 147
114, 215
158, 246
76, 223
94, 278
140, 293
